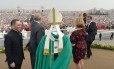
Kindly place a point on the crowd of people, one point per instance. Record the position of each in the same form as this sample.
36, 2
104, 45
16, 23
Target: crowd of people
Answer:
103, 21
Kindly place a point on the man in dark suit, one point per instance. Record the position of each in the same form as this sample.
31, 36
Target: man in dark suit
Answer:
111, 37
100, 36
37, 31
91, 30
14, 46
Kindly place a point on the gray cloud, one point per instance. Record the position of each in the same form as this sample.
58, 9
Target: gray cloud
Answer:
60, 4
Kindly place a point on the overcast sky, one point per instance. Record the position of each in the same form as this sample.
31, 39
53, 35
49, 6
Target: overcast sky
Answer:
69, 5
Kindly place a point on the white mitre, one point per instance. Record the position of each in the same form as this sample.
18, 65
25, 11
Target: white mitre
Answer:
55, 18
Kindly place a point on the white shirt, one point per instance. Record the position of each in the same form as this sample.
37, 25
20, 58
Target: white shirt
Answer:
37, 22
56, 44
89, 23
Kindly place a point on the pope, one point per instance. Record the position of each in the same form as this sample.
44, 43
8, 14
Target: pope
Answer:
54, 50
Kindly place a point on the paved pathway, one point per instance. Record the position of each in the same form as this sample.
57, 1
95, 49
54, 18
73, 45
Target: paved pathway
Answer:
101, 59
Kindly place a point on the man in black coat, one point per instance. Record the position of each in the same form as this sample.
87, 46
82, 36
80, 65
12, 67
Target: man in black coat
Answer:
37, 31
14, 46
100, 36
111, 37
91, 30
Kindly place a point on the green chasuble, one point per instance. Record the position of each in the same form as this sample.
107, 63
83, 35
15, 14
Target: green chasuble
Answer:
47, 61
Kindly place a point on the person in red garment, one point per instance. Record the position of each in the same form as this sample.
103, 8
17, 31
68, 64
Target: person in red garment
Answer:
78, 43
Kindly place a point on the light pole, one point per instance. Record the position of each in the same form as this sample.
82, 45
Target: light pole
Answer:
42, 10
19, 11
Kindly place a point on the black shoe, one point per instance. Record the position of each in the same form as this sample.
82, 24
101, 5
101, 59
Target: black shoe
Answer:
87, 57
91, 54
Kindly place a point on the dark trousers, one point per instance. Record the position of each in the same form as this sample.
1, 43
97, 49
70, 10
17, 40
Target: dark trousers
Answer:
111, 37
55, 56
32, 57
100, 38
89, 52
17, 66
